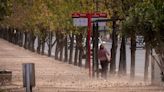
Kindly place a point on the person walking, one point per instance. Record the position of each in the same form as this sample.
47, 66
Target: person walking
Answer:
103, 58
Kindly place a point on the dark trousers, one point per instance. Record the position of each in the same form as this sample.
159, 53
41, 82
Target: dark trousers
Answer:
104, 66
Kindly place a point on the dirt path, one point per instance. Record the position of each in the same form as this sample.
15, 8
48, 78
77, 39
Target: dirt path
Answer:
56, 76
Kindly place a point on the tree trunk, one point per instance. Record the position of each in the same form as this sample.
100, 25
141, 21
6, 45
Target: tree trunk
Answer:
29, 41
152, 69
61, 52
66, 50
12, 36
114, 49
93, 51
39, 45
25, 40
61, 47
122, 63
80, 57
133, 51
43, 46
50, 43
1, 30
76, 55
80, 47
57, 47
9, 35
15, 36
146, 62
95, 68
4, 33
86, 49
33, 43
19, 38
71, 49
77, 49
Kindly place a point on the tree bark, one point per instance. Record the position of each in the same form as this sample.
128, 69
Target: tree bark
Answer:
114, 49
61, 48
50, 43
147, 53
25, 40
66, 50
9, 35
58, 45
122, 63
76, 55
15, 36
133, 51
80, 57
57, 48
61, 52
86, 56
152, 69
43, 46
33, 42
2, 33
29, 37
39, 45
78, 43
44, 35
71, 49
20, 39
80, 38
76, 51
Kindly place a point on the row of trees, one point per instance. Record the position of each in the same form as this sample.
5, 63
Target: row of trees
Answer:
146, 19
41, 20
46, 19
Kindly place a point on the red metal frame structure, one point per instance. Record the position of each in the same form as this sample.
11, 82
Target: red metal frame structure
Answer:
89, 16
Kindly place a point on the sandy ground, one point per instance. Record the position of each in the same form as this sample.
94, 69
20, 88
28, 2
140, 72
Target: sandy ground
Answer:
57, 76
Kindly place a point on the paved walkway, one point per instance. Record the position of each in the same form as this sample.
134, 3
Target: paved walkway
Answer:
48, 70
57, 76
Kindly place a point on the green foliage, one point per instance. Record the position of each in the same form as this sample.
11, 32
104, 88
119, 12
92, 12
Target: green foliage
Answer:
5, 8
146, 18
120, 10
52, 14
